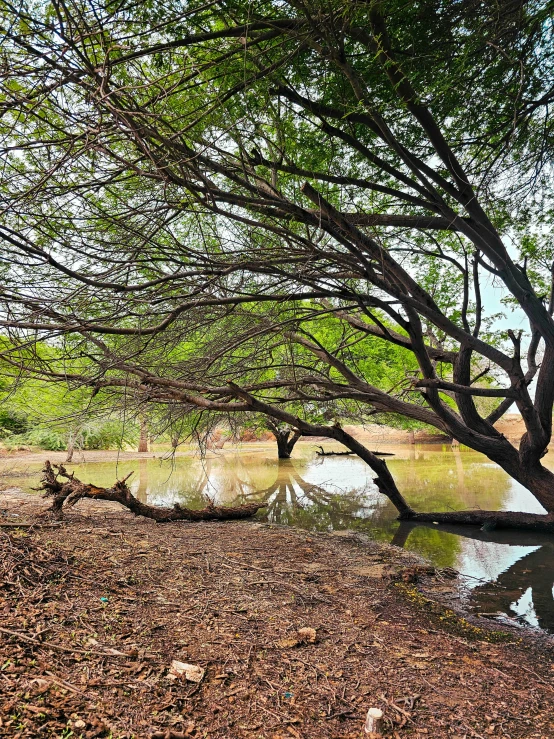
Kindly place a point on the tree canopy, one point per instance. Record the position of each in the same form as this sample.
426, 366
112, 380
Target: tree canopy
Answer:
225, 204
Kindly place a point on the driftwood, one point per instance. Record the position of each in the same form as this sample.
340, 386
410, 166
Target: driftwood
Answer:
66, 490
323, 453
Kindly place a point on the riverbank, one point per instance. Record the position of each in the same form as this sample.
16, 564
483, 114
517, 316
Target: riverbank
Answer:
374, 436
101, 605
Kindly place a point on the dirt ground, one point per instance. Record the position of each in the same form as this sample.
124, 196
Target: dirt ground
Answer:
94, 610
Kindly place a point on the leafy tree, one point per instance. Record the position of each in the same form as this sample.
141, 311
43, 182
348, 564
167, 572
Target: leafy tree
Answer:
248, 169
56, 418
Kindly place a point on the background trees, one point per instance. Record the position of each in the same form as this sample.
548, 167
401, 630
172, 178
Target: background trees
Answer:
190, 190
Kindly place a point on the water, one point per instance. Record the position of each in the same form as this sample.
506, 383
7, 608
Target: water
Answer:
509, 573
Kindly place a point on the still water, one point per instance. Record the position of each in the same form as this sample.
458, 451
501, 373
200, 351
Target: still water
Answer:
508, 573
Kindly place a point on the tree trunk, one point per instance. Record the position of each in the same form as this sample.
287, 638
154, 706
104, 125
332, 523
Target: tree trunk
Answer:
540, 482
70, 447
489, 519
72, 443
70, 491
286, 441
143, 439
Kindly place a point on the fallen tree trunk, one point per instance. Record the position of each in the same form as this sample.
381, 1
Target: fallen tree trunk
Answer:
505, 536
489, 520
323, 453
67, 490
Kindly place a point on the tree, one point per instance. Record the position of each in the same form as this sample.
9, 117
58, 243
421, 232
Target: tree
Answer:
143, 437
254, 167
286, 437
56, 418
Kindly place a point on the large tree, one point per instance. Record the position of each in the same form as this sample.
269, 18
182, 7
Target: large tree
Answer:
255, 166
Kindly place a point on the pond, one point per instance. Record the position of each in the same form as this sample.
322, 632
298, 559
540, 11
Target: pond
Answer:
510, 574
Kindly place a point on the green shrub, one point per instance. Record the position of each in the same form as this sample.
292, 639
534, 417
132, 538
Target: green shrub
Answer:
52, 441
12, 422
107, 435
95, 435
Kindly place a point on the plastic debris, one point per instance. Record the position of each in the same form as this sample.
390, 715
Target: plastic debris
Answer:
374, 723
192, 673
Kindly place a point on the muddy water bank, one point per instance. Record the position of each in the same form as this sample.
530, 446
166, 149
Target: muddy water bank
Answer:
508, 574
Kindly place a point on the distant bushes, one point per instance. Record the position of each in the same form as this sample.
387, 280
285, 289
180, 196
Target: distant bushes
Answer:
97, 435
44, 438
13, 422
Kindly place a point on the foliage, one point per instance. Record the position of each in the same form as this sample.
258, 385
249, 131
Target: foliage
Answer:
286, 210
12, 422
97, 435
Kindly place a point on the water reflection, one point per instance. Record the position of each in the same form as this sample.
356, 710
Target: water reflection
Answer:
515, 570
523, 591
292, 500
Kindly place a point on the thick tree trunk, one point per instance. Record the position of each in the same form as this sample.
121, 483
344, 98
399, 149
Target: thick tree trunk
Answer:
69, 490
286, 441
540, 482
488, 519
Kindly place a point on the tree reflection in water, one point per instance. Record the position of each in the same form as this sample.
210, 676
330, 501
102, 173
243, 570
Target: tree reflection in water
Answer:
291, 500
532, 575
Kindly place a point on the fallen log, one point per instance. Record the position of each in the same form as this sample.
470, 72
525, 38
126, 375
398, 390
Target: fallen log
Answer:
487, 520
507, 536
323, 453
67, 490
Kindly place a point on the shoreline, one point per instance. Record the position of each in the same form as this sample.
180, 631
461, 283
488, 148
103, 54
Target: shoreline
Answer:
230, 598
372, 435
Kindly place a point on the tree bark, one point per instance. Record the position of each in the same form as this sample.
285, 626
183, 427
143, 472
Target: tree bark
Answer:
286, 441
70, 447
72, 443
540, 482
143, 439
69, 490
492, 519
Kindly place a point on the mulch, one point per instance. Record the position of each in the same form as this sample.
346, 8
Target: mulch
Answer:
94, 611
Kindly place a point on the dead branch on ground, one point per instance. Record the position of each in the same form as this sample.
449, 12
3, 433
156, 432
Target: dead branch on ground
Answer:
67, 490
